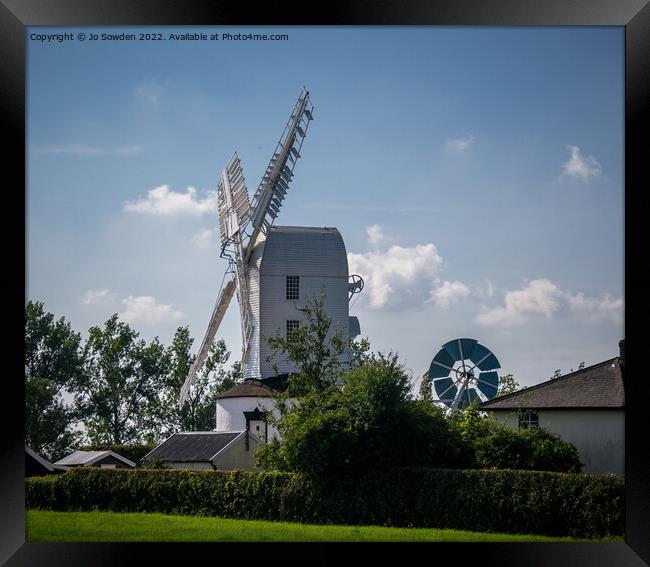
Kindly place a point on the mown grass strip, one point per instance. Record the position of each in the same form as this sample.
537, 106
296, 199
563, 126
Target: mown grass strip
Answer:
45, 525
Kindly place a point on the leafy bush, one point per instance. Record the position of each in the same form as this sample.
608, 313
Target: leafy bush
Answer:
551, 453
496, 445
368, 423
558, 504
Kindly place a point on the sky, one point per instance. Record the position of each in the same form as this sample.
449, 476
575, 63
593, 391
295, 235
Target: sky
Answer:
475, 174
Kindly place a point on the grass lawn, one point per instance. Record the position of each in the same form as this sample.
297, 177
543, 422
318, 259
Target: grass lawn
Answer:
111, 526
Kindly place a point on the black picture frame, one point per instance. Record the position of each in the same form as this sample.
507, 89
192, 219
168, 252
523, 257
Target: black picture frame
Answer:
634, 15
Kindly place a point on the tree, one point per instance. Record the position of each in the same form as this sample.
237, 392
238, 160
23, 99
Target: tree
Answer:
364, 424
116, 395
426, 386
314, 348
53, 359
198, 412
360, 353
507, 385
471, 423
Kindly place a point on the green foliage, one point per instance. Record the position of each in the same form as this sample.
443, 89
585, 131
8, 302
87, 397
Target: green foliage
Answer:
496, 445
360, 352
426, 388
117, 393
315, 348
532, 448
366, 423
133, 452
472, 424
125, 390
198, 412
507, 385
354, 418
555, 504
53, 359
154, 464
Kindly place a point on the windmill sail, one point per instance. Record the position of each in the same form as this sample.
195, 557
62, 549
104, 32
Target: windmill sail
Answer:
233, 203
236, 214
279, 172
225, 295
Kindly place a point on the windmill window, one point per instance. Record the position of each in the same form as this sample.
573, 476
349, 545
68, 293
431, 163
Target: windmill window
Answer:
528, 418
293, 287
292, 325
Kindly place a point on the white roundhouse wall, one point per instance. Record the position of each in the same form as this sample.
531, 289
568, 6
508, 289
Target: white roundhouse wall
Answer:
230, 413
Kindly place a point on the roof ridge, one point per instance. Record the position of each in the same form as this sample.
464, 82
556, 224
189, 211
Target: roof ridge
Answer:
202, 432
49, 466
548, 382
280, 228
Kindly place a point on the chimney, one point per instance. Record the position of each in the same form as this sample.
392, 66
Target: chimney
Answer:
621, 355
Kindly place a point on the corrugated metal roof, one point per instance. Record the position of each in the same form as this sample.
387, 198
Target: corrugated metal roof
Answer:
86, 458
597, 386
81, 457
196, 446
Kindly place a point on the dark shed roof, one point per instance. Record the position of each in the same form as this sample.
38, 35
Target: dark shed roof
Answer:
597, 386
197, 446
37, 465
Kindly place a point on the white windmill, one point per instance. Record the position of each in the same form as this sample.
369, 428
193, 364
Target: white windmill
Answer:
271, 267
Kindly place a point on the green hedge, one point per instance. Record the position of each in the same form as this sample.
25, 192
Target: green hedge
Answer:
557, 504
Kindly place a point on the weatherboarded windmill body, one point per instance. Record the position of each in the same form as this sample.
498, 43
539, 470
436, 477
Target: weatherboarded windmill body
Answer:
271, 269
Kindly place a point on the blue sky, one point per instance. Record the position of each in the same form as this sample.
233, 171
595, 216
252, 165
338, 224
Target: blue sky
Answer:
476, 175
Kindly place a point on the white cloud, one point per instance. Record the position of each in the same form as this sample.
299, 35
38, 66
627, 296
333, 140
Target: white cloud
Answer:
594, 308
163, 201
484, 290
459, 144
203, 238
376, 235
579, 167
145, 309
545, 298
449, 292
82, 150
95, 296
400, 276
609, 306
